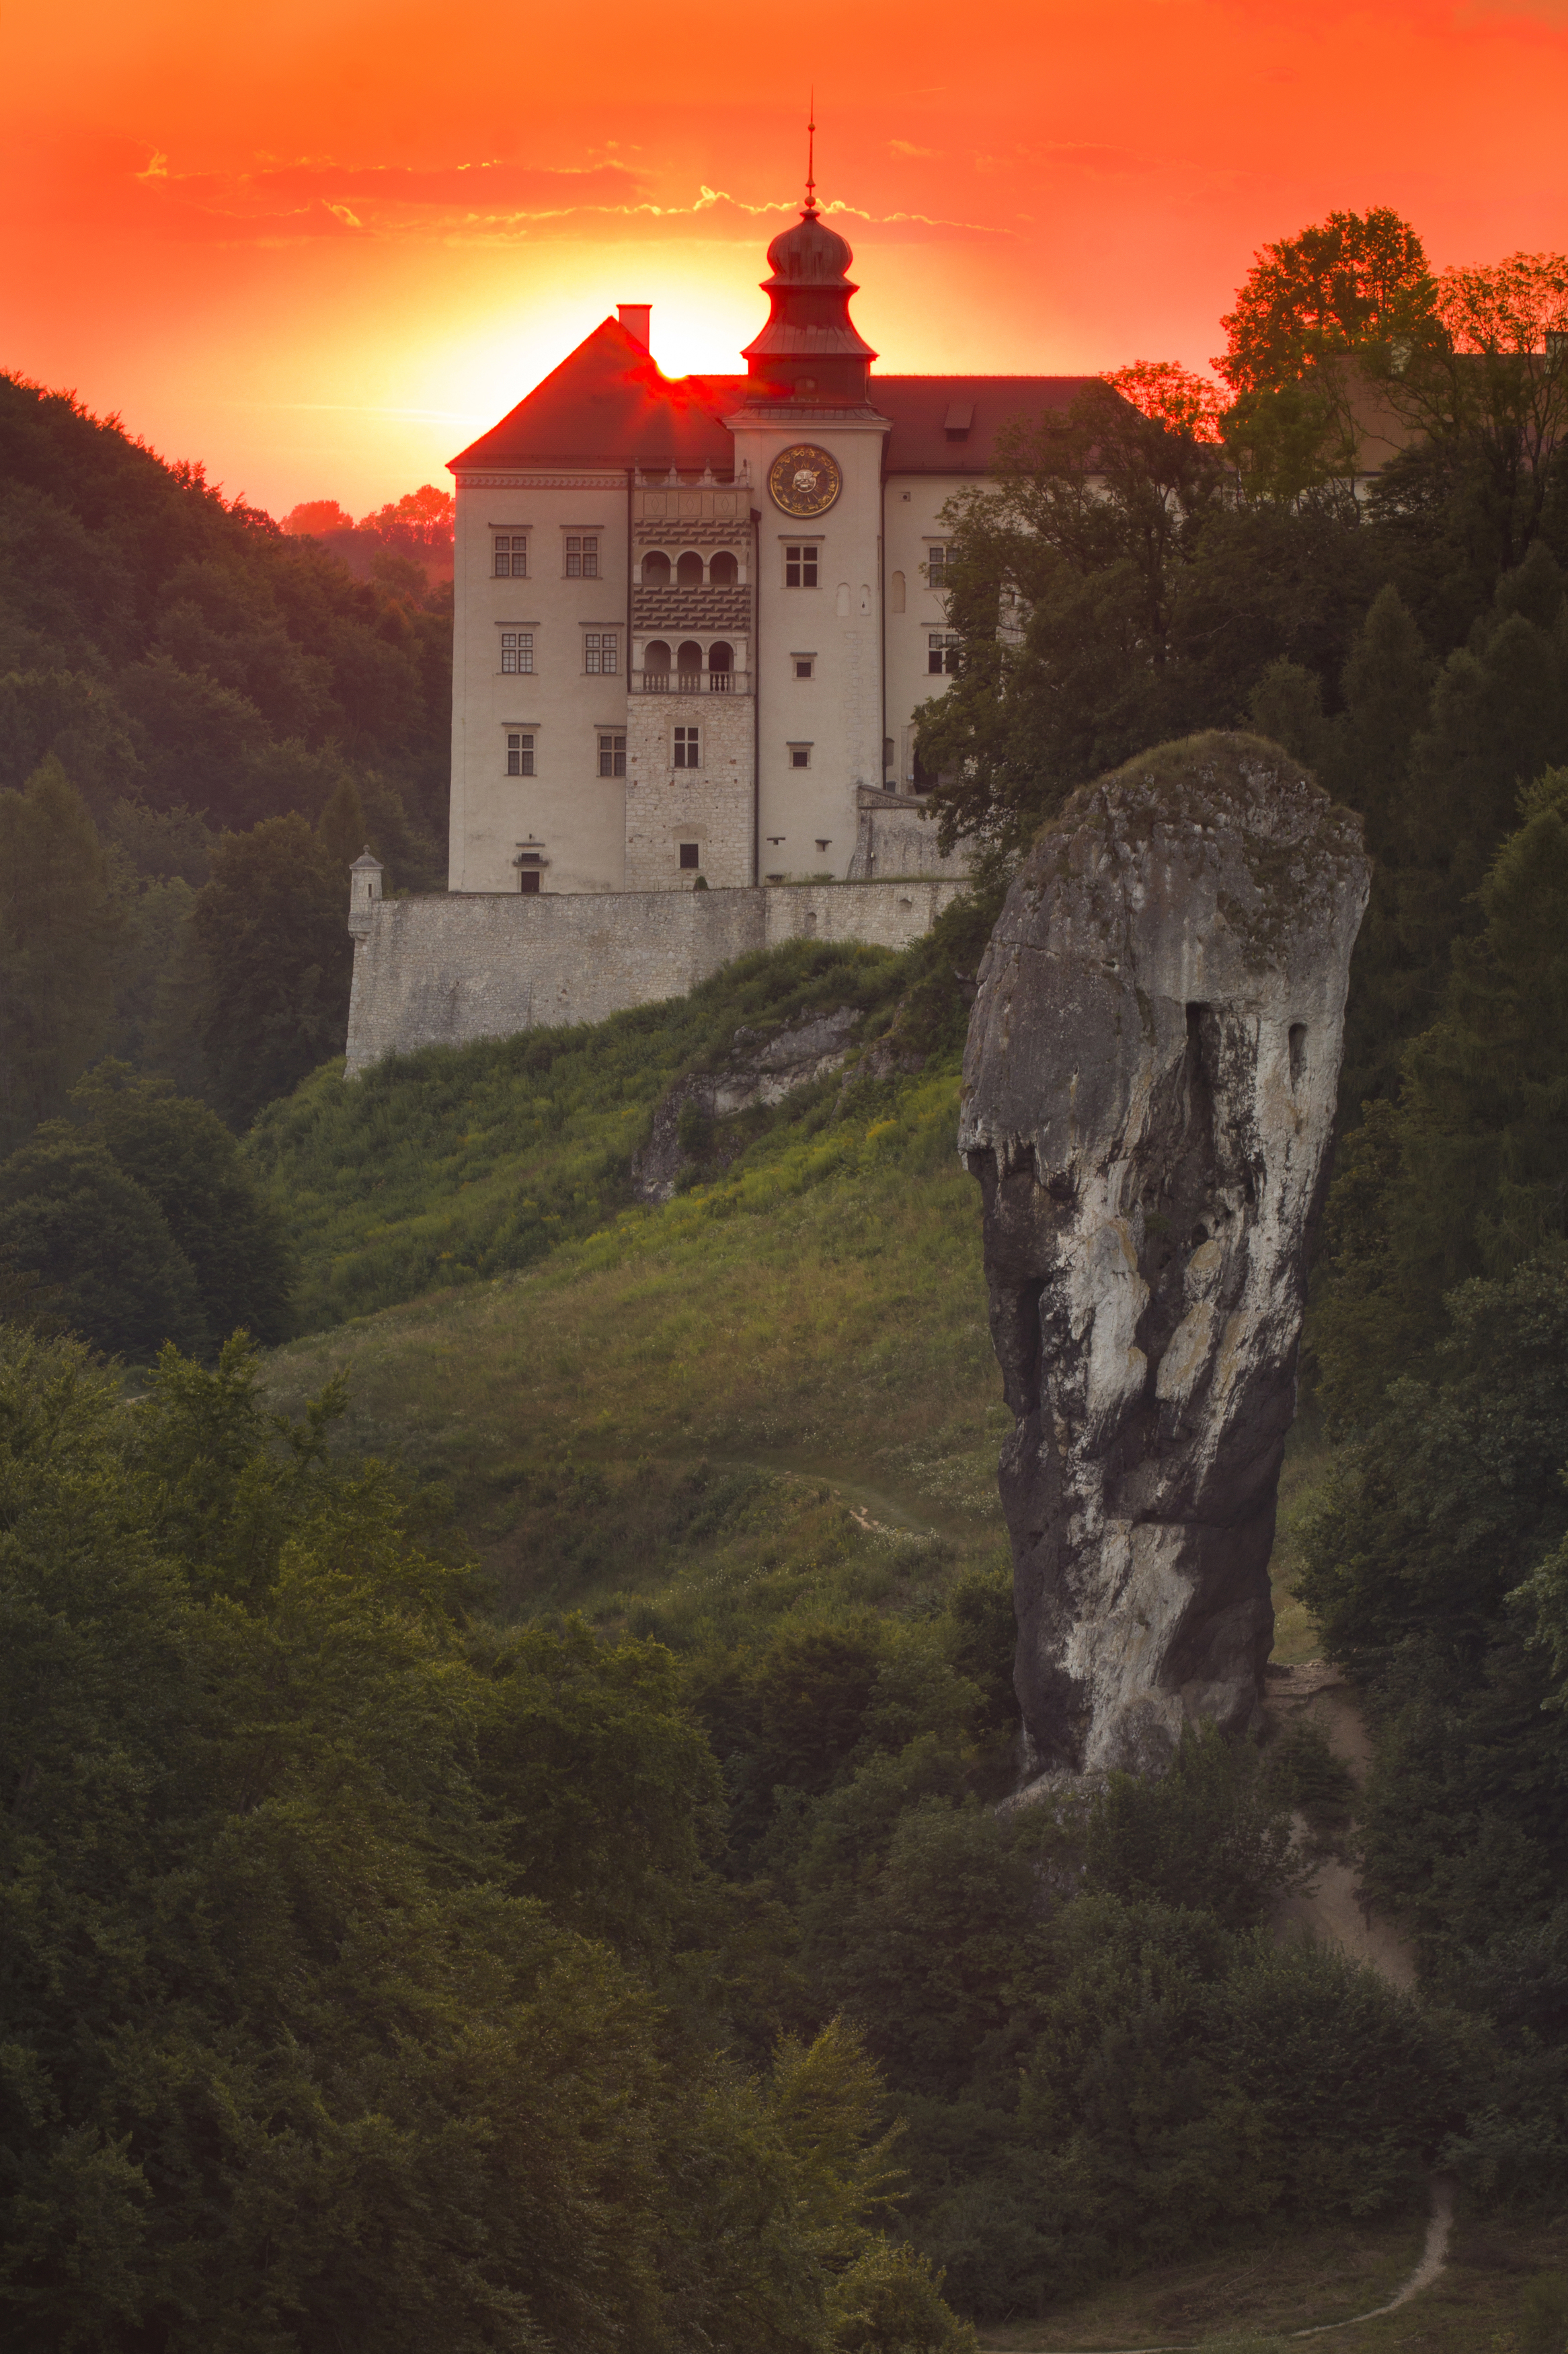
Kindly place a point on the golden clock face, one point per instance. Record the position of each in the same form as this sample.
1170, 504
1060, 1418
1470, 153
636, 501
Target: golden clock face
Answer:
804, 481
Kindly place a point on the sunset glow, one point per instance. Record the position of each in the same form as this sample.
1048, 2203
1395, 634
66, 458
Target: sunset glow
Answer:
322, 248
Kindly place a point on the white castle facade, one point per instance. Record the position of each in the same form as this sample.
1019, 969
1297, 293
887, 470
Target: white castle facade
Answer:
694, 620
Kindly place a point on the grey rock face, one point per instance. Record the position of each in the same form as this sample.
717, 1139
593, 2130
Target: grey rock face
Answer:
1149, 1098
757, 1070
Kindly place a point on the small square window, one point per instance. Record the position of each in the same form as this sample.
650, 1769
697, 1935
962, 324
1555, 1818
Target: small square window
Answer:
511, 556
582, 556
613, 756
805, 665
519, 755
686, 748
517, 650
800, 756
942, 653
689, 853
600, 651
801, 566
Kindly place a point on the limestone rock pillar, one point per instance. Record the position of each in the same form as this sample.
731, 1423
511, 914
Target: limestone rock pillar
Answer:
1149, 1100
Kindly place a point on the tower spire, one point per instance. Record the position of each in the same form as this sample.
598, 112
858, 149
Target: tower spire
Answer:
811, 160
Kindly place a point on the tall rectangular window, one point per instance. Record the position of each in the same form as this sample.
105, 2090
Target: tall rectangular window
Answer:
519, 754
511, 556
601, 651
582, 556
517, 650
686, 748
801, 566
936, 564
613, 756
942, 651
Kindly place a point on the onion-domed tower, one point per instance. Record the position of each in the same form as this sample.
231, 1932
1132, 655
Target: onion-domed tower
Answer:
811, 349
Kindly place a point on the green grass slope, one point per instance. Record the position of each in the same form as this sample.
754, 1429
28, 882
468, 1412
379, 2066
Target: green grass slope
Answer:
774, 1395
781, 1382
464, 1161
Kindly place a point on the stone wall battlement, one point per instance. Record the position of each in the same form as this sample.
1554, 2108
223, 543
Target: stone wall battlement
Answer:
454, 967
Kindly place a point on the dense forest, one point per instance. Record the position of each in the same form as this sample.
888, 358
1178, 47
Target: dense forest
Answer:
489, 1845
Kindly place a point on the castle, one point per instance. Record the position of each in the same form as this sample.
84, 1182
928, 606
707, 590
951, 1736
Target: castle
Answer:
694, 620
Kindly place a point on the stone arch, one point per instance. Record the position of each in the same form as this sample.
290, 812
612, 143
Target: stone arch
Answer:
689, 659
689, 570
656, 658
723, 571
655, 569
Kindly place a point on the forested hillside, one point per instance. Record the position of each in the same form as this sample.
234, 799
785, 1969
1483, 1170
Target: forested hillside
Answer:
500, 1824
202, 721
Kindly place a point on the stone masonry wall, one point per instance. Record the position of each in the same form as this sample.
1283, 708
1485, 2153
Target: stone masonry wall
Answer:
898, 836
712, 805
453, 966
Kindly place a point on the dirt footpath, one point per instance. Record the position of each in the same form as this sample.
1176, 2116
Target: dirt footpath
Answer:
1333, 1910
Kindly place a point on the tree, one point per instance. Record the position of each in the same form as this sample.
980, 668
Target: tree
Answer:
271, 932
1172, 396
286, 2060
100, 1247
184, 1157
1346, 286
1487, 387
1062, 585
60, 928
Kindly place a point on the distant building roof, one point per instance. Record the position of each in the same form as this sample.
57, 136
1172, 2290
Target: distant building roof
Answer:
949, 424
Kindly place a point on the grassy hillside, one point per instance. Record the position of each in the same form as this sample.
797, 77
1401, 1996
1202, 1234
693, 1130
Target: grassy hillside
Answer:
773, 1396
774, 1390
464, 1161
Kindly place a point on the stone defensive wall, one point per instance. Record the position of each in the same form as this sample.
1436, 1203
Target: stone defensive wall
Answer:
455, 966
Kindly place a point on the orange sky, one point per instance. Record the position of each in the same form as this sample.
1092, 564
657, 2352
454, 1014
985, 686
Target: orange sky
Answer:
322, 246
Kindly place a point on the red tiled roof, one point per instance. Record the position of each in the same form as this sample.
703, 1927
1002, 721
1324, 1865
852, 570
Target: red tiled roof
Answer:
608, 404
920, 407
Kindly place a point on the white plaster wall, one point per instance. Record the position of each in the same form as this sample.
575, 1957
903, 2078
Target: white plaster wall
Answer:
912, 508
578, 816
838, 711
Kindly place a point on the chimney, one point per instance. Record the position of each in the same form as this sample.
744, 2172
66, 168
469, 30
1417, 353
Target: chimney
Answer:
636, 318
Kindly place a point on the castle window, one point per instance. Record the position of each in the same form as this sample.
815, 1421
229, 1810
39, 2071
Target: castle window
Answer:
800, 756
686, 748
691, 854
805, 665
689, 571
613, 756
517, 650
936, 556
942, 653
511, 557
600, 651
582, 556
723, 572
801, 566
519, 754
655, 569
